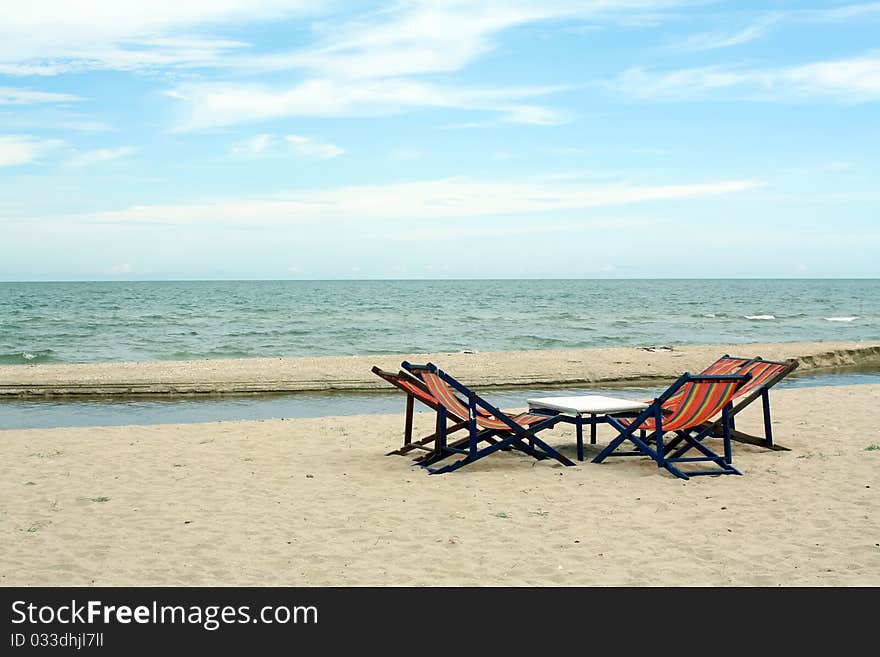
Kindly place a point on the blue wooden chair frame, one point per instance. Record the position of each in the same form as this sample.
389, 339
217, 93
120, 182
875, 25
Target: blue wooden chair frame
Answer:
655, 448
513, 436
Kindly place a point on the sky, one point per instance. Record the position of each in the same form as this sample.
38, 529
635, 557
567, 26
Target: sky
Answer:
305, 139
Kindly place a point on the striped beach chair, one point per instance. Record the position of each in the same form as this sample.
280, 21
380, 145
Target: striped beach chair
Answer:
485, 423
685, 406
765, 374
416, 389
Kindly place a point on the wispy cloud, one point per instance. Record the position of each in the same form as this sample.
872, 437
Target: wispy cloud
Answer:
766, 21
356, 63
370, 64
16, 150
253, 146
840, 13
214, 105
100, 156
460, 232
717, 40
14, 96
427, 36
298, 145
309, 147
839, 166
48, 117
449, 198
855, 79
49, 37
405, 154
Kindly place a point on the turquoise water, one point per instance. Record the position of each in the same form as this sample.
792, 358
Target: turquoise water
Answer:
120, 321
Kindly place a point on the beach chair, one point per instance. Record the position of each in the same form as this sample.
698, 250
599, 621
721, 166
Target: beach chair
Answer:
686, 405
765, 375
485, 423
415, 389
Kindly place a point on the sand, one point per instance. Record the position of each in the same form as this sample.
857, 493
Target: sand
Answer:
316, 502
550, 367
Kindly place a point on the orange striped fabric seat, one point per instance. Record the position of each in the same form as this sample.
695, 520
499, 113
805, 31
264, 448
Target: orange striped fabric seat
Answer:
453, 404
416, 391
724, 365
761, 371
698, 402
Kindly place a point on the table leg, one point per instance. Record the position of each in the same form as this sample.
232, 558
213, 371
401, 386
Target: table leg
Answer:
580, 437
593, 429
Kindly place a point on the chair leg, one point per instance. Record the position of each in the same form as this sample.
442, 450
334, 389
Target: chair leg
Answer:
407, 429
726, 420
468, 458
627, 433
440, 443
724, 462
422, 442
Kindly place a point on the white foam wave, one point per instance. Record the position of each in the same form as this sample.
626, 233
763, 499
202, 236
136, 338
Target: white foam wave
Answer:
28, 356
841, 319
709, 315
760, 316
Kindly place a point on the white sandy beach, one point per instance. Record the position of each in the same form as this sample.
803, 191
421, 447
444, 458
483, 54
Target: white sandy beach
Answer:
316, 502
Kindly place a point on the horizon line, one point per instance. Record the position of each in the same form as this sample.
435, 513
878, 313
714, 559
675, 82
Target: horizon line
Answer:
448, 278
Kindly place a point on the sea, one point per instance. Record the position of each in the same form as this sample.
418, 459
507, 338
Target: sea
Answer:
80, 322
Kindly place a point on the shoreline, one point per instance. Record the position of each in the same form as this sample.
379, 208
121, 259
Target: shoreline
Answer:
557, 367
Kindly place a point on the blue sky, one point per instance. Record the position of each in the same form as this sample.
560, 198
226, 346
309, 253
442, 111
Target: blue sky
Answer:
299, 139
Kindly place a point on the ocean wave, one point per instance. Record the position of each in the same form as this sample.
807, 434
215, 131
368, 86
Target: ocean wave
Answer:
842, 319
27, 357
760, 317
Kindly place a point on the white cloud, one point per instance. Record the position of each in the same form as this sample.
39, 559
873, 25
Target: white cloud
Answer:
458, 232
716, 40
298, 145
451, 198
83, 126
90, 158
253, 146
212, 105
405, 154
16, 150
48, 37
13, 96
308, 147
366, 65
359, 63
855, 79
841, 13
430, 36
763, 24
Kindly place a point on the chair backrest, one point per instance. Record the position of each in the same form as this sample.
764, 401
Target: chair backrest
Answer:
764, 373
410, 385
700, 398
446, 396
724, 365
